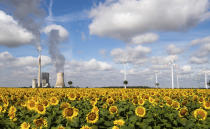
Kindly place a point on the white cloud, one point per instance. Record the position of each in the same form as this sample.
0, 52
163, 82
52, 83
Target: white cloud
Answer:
19, 71
200, 41
91, 65
186, 68
173, 50
145, 38
203, 49
134, 55
62, 32
125, 19
159, 60
198, 60
11, 33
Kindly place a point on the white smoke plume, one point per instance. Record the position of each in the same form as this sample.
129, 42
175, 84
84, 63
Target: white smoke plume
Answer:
29, 15
56, 35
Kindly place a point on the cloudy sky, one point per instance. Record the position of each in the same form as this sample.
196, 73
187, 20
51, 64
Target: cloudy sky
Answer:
92, 41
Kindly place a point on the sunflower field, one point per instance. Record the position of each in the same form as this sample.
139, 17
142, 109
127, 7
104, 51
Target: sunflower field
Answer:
101, 108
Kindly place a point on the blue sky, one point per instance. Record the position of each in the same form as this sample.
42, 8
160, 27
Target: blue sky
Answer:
146, 33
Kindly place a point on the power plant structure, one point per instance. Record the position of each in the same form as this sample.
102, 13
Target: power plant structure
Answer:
43, 78
44, 81
60, 80
34, 83
39, 71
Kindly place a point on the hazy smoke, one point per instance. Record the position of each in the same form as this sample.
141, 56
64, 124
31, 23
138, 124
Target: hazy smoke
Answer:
57, 58
29, 15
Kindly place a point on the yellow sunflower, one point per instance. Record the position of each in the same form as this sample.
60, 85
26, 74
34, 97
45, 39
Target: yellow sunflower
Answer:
41, 122
40, 108
115, 127
60, 127
72, 96
45, 103
119, 122
92, 117
54, 100
151, 100
200, 114
140, 111
206, 105
25, 125
135, 101
104, 106
169, 102
64, 105
175, 105
12, 109
85, 127
113, 109
141, 102
183, 112
31, 104
110, 101
95, 109
70, 113
1, 108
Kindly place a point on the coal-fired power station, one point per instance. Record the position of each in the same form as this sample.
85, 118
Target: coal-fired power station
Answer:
43, 78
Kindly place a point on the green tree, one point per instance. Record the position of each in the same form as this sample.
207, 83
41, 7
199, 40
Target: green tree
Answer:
70, 83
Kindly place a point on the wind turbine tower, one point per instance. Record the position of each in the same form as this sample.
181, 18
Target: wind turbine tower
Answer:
206, 74
172, 73
177, 80
156, 80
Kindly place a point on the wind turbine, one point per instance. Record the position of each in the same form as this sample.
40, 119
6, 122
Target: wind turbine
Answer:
206, 74
156, 80
172, 73
177, 80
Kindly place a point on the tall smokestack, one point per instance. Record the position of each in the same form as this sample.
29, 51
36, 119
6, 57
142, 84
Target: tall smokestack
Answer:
39, 72
60, 80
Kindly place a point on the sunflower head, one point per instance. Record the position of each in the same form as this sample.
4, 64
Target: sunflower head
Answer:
169, 102
40, 108
113, 109
64, 105
140, 111
141, 102
31, 104
41, 122
60, 127
200, 114
45, 103
135, 101
72, 96
25, 125
54, 101
119, 122
110, 101
206, 105
183, 112
175, 105
12, 109
115, 127
95, 109
92, 117
70, 113
85, 127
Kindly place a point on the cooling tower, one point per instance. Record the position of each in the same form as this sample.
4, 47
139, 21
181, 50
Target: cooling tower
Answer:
34, 83
60, 81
